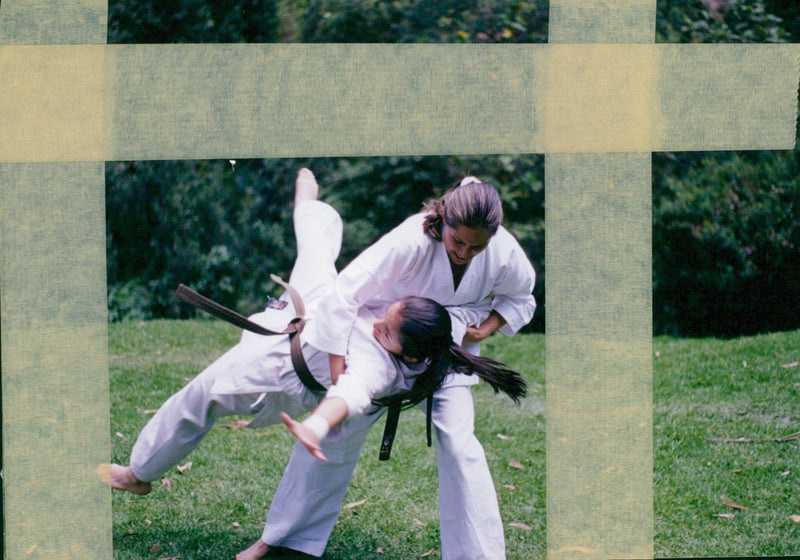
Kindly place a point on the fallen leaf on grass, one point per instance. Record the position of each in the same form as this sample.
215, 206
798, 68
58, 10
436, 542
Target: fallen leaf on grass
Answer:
418, 522
732, 505
520, 526
725, 515
505, 437
793, 364
785, 473
509, 487
120, 435
431, 552
155, 548
235, 524
237, 425
516, 465
148, 522
351, 505
184, 467
795, 518
166, 482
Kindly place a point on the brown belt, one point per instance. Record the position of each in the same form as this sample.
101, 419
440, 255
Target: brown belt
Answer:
293, 329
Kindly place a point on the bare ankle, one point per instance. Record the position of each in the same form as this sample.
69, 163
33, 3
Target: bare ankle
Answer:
122, 478
254, 551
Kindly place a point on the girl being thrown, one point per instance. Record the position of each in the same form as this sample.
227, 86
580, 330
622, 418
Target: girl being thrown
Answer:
403, 355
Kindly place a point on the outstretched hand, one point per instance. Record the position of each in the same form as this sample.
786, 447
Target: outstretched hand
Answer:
305, 435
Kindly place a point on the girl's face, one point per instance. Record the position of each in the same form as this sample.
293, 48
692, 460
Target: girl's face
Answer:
462, 243
386, 330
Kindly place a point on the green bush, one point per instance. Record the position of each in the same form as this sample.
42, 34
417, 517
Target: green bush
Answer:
725, 246
422, 21
735, 21
192, 21
726, 243
223, 229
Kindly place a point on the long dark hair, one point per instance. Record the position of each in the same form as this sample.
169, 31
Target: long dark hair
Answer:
471, 203
425, 334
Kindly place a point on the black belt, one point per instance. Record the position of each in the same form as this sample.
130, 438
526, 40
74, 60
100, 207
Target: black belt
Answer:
392, 418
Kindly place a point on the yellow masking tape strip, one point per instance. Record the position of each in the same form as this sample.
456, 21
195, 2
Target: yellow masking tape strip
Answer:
54, 361
74, 103
52, 103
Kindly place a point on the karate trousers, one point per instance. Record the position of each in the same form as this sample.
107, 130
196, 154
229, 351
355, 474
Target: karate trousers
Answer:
311, 492
186, 417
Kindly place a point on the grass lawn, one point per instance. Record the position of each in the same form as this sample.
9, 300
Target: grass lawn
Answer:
724, 484
217, 506
707, 395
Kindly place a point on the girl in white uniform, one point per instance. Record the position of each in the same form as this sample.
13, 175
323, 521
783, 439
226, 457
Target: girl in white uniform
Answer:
400, 354
458, 254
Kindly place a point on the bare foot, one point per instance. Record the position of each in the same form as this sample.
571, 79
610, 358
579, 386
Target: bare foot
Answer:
256, 551
306, 187
122, 478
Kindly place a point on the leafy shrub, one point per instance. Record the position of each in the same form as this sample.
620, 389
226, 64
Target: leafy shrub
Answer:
726, 244
223, 228
423, 21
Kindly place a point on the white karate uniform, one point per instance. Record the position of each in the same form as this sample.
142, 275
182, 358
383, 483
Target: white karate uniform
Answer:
257, 376
407, 262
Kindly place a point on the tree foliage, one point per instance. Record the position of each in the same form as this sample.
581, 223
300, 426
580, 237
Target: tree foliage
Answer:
422, 21
192, 21
224, 228
725, 239
725, 224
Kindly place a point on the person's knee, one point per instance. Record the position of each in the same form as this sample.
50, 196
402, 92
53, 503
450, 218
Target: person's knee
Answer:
459, 442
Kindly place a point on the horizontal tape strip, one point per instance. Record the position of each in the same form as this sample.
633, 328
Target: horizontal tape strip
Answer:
131, 102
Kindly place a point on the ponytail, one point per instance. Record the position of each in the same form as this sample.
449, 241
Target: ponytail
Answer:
455, 358
497, 374
432, 226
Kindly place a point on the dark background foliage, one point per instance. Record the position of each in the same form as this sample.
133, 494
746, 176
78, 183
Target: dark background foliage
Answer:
726, 233
726, 225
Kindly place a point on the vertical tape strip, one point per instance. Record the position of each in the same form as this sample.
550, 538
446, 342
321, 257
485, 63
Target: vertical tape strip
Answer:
599, 365
55, 395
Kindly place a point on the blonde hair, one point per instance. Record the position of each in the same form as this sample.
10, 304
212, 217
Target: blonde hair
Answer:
472, 203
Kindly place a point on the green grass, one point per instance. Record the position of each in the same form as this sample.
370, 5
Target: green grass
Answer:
709, 390
218, 506
703, 390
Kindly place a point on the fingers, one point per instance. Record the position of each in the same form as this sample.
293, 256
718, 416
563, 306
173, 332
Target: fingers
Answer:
318, 454
286, 419
304, 435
